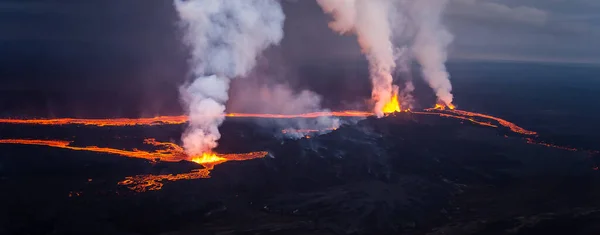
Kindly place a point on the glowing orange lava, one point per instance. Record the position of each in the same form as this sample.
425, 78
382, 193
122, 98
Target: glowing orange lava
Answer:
513, 127
441, 106
161, 120
392, 106
173, 120
143, 183
458, 117
466, 115
169, 152
532, 141
208, 158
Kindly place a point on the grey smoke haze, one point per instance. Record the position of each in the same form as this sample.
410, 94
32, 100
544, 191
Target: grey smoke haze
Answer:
225, 38
251, 97
267, 90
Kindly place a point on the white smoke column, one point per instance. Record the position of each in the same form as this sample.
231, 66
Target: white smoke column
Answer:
430, 46
225, 37
369, 20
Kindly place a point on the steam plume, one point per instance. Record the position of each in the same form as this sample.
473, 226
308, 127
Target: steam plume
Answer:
281, 99
369, 20
430, 43
225, 37
403, 69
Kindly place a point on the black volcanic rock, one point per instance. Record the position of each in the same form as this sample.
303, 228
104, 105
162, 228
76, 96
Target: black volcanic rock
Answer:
400, 174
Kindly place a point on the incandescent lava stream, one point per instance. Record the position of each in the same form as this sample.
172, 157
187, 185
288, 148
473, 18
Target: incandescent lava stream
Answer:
168, 152
172, 120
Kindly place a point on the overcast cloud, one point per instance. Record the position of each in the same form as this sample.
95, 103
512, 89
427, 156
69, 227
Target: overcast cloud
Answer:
538, 30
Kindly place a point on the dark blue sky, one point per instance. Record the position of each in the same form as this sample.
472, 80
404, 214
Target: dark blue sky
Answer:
121, 49
128, 41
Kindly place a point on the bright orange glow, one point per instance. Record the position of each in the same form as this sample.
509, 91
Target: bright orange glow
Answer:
466, 115
161, 120
173, 120
143, 183
513, 127
208, 158
532, 141
458, 117
392, 106
440, 106
169, 152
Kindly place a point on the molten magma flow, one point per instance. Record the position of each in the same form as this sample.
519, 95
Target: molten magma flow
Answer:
392, 106
208, 158
513, 127
166, 151
171, 120
143, 183
161, 120
532, 141
458, 117
441, 106
169, 152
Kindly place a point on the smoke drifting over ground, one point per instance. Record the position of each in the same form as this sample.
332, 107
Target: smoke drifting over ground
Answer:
377, 23
225, 37
254, 97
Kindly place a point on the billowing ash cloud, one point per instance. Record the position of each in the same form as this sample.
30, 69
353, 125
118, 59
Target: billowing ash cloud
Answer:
225, 37
430, 46
370, 21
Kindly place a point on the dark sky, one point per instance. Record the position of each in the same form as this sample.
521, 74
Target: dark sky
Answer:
88, 43
124, 57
